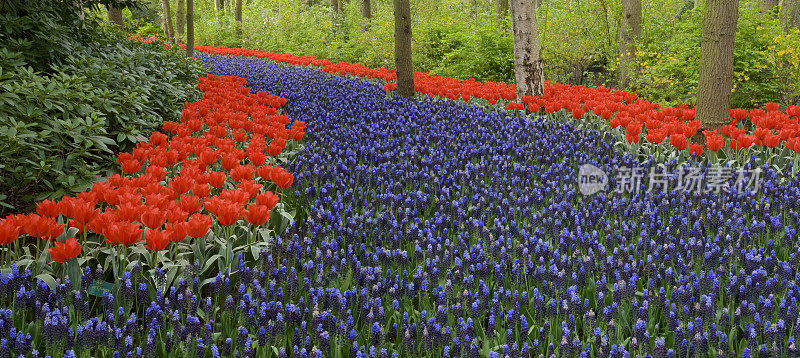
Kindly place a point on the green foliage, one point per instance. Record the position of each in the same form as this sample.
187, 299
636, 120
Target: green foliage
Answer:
72, 94
669, 60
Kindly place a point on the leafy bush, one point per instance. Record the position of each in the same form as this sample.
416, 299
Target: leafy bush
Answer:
669, 60
73, 93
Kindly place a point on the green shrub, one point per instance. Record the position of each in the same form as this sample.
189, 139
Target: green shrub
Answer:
669, 60
72, 94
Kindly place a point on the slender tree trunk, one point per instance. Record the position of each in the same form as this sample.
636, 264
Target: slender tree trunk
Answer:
237, 13
528, 69
190, 28
219, 6
501, 12
790, 14
402, 48
336, 8
629, 32
366, 9
180, 18
168, 32
768, 6
115, 17
715, 80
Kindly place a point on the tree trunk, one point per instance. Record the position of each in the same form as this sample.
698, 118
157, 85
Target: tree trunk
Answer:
715, 80
501, 12
790, 14
402, 48
237, 14
768, 6
336, 8
528, 69
190, 28
629, 31
180, 18
219, 6
115, 17
168, 32
366, 9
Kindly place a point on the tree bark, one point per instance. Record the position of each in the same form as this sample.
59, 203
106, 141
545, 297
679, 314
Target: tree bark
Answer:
336, 8
219, 6
629, 32
189, 28
237, 13
528, 69
402, 48
790, 14
180, 18
115, 17
768, 6
366, 9
715, 81
501, 13
168, 32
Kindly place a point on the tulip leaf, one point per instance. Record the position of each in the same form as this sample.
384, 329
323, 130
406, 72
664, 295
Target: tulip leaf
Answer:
48, 279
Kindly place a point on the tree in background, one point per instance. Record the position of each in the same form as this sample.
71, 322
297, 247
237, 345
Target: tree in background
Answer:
629, 32
715, 80
528, 69
790, 14
501, 12
402, 48
237, 13
366, 9
190, 28
337, 9
115, 16
180, 18
168, 31
219, 6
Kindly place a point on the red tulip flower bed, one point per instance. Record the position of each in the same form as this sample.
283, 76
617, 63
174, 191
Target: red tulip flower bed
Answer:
212, 170
638, 119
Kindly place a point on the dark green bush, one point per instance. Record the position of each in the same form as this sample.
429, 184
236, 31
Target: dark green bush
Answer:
72, 94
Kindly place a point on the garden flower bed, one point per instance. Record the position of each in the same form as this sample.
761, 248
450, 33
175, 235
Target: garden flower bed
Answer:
639, 126
436, 228
406, 228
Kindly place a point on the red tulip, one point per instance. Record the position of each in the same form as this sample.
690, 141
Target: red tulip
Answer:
578, 113
242, 173
695, 149
198, 225
679, 141
45, 228
229, 213
153, 218
177, 231
267, 199
63, 252
257, 214
156, 240
217, 179
8, 232
771, 140
123, 233
47, 208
